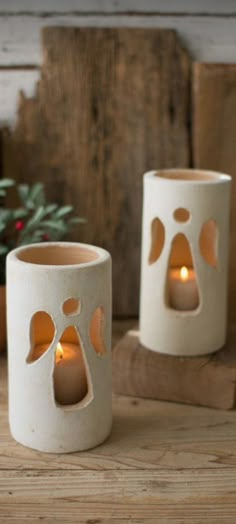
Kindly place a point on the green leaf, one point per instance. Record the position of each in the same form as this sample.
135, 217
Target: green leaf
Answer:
36, 194
50, 208
6, 215
19, 213
6, 182
36, 218
2, 193
53, 224
30, 204
23, 192
31, 238
3, 249
63, 211
77, 220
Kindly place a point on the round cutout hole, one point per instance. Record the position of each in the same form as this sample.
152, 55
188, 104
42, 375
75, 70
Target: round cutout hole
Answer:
181, 214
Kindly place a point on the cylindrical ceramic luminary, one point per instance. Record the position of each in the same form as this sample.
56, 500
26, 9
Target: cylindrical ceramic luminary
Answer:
185, 240
59, 346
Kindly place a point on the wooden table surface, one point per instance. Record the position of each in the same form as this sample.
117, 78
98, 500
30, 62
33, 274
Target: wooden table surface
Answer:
162, 463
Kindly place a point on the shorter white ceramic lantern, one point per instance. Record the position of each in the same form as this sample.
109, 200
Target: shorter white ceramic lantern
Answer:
183, 306
59, 346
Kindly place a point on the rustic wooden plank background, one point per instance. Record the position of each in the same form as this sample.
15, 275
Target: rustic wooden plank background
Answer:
206, 28
95, 126
163, 463
214, 132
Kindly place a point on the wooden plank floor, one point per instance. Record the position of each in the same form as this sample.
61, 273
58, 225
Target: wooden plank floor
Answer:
163, 463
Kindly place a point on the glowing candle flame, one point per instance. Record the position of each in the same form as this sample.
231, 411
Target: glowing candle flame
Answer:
59, 352
184, 273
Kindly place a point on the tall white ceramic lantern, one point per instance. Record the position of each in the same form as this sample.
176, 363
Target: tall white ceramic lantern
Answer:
59, 346
185, 236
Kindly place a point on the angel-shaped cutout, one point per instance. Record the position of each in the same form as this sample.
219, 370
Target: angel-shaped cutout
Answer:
71, 376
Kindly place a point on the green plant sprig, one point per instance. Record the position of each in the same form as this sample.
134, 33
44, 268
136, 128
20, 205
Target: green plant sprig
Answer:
33, 220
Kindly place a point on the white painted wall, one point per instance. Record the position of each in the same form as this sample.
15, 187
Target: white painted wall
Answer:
117, 6
207, 28
12, 83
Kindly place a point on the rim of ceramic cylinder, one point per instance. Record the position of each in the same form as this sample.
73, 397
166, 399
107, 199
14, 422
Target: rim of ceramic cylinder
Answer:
95, 255
191, 176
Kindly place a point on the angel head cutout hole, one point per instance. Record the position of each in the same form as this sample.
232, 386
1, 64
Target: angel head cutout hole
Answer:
182, 293
181, 214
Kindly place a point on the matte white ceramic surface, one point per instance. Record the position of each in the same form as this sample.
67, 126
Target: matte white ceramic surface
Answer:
42, 277
206, 197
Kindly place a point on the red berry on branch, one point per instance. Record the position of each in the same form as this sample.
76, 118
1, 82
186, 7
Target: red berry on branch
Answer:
19, 225
45, 237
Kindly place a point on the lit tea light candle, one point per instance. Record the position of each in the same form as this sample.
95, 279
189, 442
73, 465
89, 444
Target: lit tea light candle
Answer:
183, 289
70, 383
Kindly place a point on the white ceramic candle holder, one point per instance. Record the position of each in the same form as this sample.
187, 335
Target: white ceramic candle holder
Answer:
59, 345
183, 306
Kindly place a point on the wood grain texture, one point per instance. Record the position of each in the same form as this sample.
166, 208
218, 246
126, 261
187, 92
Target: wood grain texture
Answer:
163, 462
106, 110
214, 131
208, 380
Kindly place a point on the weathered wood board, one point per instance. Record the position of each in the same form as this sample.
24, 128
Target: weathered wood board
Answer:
111, 104
214, 132
208, 380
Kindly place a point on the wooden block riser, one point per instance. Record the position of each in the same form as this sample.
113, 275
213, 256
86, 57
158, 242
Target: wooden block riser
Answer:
204, 381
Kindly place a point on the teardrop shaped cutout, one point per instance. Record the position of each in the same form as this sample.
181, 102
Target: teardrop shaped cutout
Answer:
97, 326
182, 284
42, 332
69, 375
157, 240
208, 242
